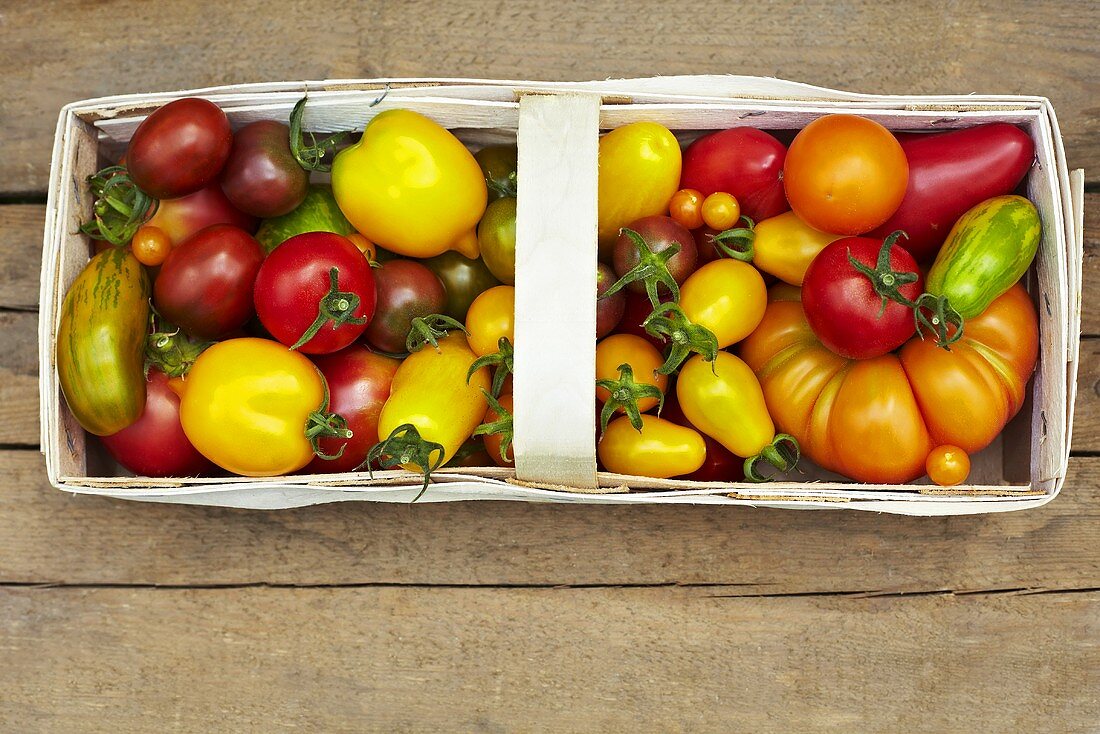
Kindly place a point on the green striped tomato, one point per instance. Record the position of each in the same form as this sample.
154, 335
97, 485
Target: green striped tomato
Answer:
101, 342
987, 251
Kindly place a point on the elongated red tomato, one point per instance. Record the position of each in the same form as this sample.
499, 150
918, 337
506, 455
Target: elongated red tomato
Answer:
179, 148
742, 161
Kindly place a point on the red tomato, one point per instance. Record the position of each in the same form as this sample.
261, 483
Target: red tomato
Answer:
358, 386
180, 218
315, 292
743, 161
951, 172
156, 446
721, 465
205, 285
845, 174
179, 148
262, 177
609, 310
406, 290
845, 307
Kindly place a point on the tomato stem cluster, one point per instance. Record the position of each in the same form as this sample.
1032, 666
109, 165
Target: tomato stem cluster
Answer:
323, 424
737, 243
670, 322
311, 157
120, 206
782, 453
169, 349
336, 306
502, 362
406, 446
625, 393
430, 329
651, 270
502, 425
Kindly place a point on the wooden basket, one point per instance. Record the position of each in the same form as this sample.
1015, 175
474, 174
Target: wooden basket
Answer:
557, 126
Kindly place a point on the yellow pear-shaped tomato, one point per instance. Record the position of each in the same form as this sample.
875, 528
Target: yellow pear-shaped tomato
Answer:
727, 296
639, 173
661, 449
410, 186
784, 246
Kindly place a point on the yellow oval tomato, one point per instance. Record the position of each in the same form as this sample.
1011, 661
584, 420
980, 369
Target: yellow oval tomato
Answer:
639, 173
661, 449
246, 403
410, 186
723, 399
643, 358
784, 246
492, 316
727, 296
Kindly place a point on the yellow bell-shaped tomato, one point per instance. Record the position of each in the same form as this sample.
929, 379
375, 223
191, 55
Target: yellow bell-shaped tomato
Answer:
784, 246
410, 186
639, 173
247, 405
661, 449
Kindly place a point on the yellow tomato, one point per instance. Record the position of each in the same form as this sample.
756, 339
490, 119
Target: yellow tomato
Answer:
643, 358
639, 173
727, 296
661, 449
246, 404
785, 246
411, 187
492, 315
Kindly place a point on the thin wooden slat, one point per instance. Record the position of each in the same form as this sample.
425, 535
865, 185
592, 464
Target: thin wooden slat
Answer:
47, 536
55, 54
19, 378
417, 659
20, 254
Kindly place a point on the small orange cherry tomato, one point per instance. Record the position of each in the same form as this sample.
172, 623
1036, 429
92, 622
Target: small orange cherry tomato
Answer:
365, 246
845, 174
150, 245
947, 465
643, 358
686, 208
721, 211
492, 315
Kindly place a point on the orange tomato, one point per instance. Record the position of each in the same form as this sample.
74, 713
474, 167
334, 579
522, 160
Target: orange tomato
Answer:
365, 246
876, 420
150, 245
686, 208
720, 211
947, 465
845, 174
492, 315
643, 358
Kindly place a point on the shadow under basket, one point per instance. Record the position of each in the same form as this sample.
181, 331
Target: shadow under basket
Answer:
557, 126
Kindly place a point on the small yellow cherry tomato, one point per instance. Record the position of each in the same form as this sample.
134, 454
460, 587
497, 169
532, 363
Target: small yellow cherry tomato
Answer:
492, 315
686, 208
661, 449
947, 465
784, 246
150, 245
728, 297
643, 358
720, 211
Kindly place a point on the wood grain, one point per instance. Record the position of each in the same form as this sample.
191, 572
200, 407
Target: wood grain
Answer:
56, 53
564, 660
47, 536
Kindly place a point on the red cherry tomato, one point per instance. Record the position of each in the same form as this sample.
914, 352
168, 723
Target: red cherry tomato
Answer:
845, 307
315, 293
262, 177
205, 285
947, 465
742, 161
406, 290
179, 148
155, 445
358, 386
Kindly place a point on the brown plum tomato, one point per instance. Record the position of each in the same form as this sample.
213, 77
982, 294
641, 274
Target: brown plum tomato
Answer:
295, 296
637, 309
742, 161
179, 148
843, 306
493, 441
261, 176
721, 465
609, 310
180, 218
464, 279
358, 385
406, 290
150, 246
155, 445
205, 285
660, 233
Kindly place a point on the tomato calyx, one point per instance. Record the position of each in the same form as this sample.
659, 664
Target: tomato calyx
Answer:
502, 425
120, 206
502, 362
782, 453
336, 306
170, 350
884, 279
404, 446
935, 314
424, 330
652, 269
323, 424
625, 393
311, 156
737, 242
669, 322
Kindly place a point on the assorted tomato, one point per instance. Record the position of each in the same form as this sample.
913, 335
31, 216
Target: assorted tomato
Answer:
897, 342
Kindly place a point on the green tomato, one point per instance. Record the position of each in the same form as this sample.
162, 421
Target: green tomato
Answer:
318, 212
496, 235
463, 278
498, 163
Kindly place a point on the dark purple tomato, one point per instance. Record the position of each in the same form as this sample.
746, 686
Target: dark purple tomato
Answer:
155, 445
262, 177
179, 148
406, 290
205, 285
609, 311
660, 233
358, 386
297, 301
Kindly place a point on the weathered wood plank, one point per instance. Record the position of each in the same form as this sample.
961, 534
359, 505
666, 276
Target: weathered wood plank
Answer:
55, 53
20, 254
19, 377
49, 537
417, 659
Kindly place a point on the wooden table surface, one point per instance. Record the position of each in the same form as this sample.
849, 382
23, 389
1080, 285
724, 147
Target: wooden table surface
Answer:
498, 617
